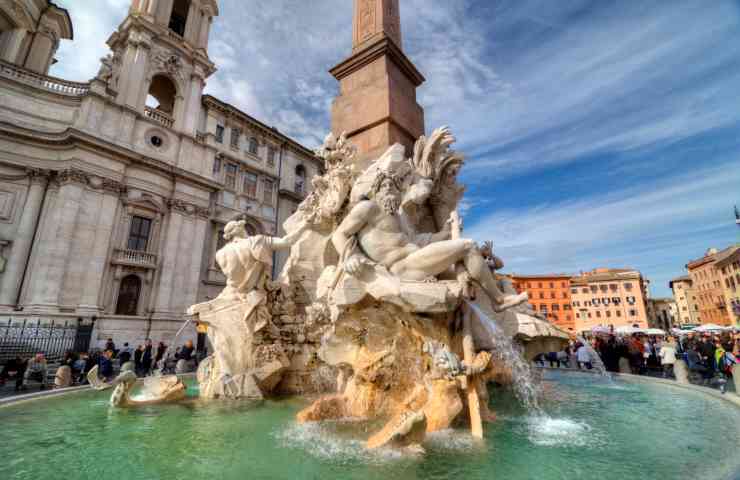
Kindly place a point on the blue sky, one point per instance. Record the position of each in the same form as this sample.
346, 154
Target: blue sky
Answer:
596, 133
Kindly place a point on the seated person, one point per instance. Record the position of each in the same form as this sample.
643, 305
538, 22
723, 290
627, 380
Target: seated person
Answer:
15, 368
36, 370
105, 365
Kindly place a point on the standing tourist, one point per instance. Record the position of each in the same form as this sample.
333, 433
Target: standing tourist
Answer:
125, 354
668, 357
584, 357
138, 361
147, 357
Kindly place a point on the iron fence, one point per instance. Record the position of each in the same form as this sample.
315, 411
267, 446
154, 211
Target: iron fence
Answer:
54, 338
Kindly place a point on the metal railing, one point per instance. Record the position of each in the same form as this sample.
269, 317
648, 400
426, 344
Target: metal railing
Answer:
135, 258
28, 337
51, 84
159, 116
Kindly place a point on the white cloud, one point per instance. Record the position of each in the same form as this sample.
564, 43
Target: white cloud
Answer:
656, 228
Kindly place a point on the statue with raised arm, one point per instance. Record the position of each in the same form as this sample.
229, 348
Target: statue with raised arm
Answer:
239, 316
377, 226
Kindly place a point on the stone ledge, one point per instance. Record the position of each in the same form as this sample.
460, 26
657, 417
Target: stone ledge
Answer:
733, 398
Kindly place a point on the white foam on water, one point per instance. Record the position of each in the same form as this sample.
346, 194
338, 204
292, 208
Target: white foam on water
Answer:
321, 442
546, 431
451, 440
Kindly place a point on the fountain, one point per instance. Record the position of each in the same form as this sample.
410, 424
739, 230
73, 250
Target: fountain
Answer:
371, 358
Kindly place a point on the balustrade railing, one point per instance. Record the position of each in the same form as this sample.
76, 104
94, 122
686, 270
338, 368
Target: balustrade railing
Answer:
159, 116
135, 257
52, 84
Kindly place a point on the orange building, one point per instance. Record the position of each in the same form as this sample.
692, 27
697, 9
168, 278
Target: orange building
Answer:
549, 294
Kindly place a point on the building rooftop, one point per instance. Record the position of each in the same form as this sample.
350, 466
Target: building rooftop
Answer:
713, 255
606, 277
683, 278
541, 275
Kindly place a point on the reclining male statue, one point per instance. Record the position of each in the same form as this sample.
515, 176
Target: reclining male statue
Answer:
376, 224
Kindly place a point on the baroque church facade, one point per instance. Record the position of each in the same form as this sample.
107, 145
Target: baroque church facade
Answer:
114, 193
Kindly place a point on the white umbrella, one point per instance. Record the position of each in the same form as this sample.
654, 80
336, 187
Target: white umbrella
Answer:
709, 327
655, 331
601, 329
628, 330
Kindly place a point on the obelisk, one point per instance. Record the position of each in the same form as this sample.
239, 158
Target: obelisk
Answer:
376, 105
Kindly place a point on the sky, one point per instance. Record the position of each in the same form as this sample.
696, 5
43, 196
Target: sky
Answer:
596, 134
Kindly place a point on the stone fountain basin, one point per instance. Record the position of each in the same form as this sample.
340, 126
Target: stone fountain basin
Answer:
593, 429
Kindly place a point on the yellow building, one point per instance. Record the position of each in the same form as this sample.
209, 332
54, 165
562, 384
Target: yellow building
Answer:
729, 272
609, 297
686, 302
708, 282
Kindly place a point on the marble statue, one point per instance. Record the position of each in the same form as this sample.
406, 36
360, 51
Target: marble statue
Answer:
239, 367
154, 390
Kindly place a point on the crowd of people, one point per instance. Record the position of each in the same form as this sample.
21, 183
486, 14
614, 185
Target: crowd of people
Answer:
708, 356
75, 366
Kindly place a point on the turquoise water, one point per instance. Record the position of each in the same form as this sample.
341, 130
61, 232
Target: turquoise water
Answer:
593, 430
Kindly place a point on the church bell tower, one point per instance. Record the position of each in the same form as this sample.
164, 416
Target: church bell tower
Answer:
160, 60
376, 105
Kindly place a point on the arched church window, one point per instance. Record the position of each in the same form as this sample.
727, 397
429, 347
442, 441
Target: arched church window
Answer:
179, 16
300, 178
161, 96
128, 296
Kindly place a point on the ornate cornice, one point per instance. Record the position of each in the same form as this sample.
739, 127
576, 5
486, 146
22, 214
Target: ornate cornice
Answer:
72, 175
190, 209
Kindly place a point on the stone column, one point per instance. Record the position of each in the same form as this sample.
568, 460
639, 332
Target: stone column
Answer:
169, 255
192, 24
19, 257
42, 48
205, 29
54, 251
164, 11
197, 250
11, 42
192, 106
90, 301
182, 266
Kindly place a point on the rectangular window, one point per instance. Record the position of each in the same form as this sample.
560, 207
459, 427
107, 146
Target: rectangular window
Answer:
598, 314
552, 284
235, 134
230, 179
220, 133
138, 236
619, 313
555, 307
552, 295
216, 164
574, 291
271, 156
268, 187
250, 184
253, 145
608, 314
539, 285
633, 313
542, 295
